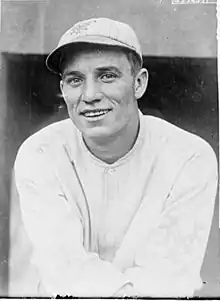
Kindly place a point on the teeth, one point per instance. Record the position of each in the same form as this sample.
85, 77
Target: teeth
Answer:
96, 113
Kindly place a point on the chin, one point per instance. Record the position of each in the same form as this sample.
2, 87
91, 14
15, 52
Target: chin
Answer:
94, 133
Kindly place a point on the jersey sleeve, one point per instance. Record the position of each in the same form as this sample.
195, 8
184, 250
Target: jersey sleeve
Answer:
169, 260
54, 229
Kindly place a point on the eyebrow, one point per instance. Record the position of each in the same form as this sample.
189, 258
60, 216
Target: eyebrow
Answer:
71, 73
99, 69
108, 68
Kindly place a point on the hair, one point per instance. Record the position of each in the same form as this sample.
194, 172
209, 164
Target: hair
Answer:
133, 59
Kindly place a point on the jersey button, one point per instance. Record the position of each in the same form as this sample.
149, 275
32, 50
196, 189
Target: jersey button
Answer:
111, 170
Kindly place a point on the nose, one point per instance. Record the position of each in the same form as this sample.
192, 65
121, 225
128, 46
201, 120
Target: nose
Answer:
90, 92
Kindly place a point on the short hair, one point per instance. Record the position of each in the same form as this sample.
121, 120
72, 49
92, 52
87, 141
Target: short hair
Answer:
132, 58
134, 61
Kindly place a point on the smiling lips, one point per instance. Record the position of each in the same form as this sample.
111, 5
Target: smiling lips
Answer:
95, 113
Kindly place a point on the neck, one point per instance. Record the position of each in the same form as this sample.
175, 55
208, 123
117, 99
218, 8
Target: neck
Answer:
112, 149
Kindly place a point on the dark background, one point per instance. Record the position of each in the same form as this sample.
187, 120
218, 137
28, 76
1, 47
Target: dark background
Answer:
184, 91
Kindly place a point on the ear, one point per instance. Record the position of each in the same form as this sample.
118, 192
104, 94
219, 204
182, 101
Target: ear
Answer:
141, 81
61, 88
61, 85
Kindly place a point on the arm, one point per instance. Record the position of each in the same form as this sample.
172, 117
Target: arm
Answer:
54, 229
169, 260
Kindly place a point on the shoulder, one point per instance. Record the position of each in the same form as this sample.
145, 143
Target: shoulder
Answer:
49, 136
178, 145
163, 130
43, 141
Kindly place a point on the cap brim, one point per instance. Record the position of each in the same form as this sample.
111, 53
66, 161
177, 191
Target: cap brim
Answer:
53, 59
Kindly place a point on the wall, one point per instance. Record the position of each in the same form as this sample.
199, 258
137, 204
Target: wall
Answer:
35, 26
4, 188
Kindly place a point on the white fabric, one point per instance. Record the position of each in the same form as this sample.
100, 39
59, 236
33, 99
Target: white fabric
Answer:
96, 31
88, 227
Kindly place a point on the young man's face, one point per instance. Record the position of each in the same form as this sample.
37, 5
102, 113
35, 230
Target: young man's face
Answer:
98, 88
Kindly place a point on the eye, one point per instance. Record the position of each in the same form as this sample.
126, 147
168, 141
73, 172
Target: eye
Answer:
74, 81
108, 77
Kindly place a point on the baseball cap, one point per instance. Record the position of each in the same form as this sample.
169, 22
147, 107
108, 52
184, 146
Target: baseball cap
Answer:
101, 31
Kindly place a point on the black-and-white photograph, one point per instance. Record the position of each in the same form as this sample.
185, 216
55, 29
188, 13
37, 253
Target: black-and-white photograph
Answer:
109, 149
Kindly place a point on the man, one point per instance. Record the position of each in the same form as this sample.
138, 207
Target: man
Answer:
111, 202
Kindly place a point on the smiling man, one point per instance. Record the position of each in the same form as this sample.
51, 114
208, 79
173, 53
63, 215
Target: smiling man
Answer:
109, 202
99, 87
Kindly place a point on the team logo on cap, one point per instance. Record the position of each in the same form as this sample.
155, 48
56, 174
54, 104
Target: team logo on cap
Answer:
81, 27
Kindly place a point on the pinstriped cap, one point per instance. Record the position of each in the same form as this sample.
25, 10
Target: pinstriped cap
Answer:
101, 31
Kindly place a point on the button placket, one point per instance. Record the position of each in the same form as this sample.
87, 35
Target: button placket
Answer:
109, 184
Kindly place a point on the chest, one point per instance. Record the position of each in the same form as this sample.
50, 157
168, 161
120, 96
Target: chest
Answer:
114, 197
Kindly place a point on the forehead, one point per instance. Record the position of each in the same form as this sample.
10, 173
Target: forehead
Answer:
95, 58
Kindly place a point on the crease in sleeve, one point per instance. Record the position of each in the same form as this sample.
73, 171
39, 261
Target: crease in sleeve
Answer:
169, 260
55, 231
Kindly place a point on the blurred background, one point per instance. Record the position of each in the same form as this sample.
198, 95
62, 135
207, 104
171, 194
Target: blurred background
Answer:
180, 51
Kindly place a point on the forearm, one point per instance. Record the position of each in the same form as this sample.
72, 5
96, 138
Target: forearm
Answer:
57, 254
147, 283
91, 277
56, 273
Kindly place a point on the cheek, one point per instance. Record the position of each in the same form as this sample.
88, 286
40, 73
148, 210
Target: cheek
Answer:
71, 97
126, 96
122, 94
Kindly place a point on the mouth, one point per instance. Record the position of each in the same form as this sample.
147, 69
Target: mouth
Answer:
95, 114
